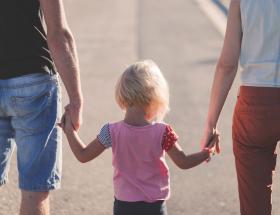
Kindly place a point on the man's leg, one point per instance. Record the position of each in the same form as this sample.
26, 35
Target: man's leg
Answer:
36, 111
6, 148
35, 203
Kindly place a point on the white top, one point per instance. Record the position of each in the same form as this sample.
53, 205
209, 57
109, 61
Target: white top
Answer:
260, 49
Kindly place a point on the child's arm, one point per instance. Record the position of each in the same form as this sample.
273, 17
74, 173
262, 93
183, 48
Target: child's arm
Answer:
184, 161
82, 152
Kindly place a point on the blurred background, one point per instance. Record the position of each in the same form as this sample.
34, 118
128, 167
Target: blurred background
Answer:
225, 2
185, 43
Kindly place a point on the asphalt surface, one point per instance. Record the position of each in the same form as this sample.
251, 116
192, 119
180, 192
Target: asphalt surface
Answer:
179, 37
226, 2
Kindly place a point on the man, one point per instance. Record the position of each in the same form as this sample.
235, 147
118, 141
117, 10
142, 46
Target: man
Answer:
30, 95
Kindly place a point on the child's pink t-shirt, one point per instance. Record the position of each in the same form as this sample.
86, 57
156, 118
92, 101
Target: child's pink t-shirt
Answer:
140, 169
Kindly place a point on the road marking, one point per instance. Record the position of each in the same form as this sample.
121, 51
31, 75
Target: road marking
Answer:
217, 16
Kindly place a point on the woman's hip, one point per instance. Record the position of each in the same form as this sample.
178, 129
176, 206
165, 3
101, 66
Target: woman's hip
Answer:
256, 119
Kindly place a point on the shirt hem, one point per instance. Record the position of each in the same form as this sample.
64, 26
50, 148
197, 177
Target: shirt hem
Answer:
260, 85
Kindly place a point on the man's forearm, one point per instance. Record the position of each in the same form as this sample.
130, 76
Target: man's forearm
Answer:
63, 50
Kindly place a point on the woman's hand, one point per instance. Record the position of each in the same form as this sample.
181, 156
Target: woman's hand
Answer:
211, 139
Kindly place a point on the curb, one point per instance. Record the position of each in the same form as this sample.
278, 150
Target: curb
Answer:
216, 12
222, 7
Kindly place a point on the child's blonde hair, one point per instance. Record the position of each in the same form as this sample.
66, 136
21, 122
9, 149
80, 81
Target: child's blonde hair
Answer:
142, 84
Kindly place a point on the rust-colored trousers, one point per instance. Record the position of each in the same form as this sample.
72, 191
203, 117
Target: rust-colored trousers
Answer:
256, 130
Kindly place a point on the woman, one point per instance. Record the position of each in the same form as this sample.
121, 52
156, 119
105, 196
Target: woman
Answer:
253, 36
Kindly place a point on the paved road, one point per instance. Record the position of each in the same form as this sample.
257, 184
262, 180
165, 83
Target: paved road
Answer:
226, 2
178, 36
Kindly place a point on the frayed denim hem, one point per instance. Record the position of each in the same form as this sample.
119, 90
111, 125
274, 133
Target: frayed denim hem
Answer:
3, 182
41, 188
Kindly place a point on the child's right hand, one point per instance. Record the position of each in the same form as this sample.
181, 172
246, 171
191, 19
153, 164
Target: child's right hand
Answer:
66, 123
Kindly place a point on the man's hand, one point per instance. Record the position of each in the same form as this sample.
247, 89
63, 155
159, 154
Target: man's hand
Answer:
66, 122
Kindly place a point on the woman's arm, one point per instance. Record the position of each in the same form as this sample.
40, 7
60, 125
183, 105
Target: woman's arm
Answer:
226, 69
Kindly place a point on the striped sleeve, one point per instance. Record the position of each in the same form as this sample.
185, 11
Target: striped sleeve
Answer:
104, 136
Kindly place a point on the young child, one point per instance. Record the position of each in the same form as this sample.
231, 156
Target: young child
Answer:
139, 142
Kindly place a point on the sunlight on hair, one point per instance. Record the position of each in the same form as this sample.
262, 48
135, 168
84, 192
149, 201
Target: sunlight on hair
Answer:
142, 84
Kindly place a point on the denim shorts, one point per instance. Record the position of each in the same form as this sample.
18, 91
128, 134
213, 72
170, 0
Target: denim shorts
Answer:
30, 107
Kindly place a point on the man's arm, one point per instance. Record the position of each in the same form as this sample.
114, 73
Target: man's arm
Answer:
63, 50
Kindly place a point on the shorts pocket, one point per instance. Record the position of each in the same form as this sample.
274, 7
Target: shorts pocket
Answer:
32, 112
